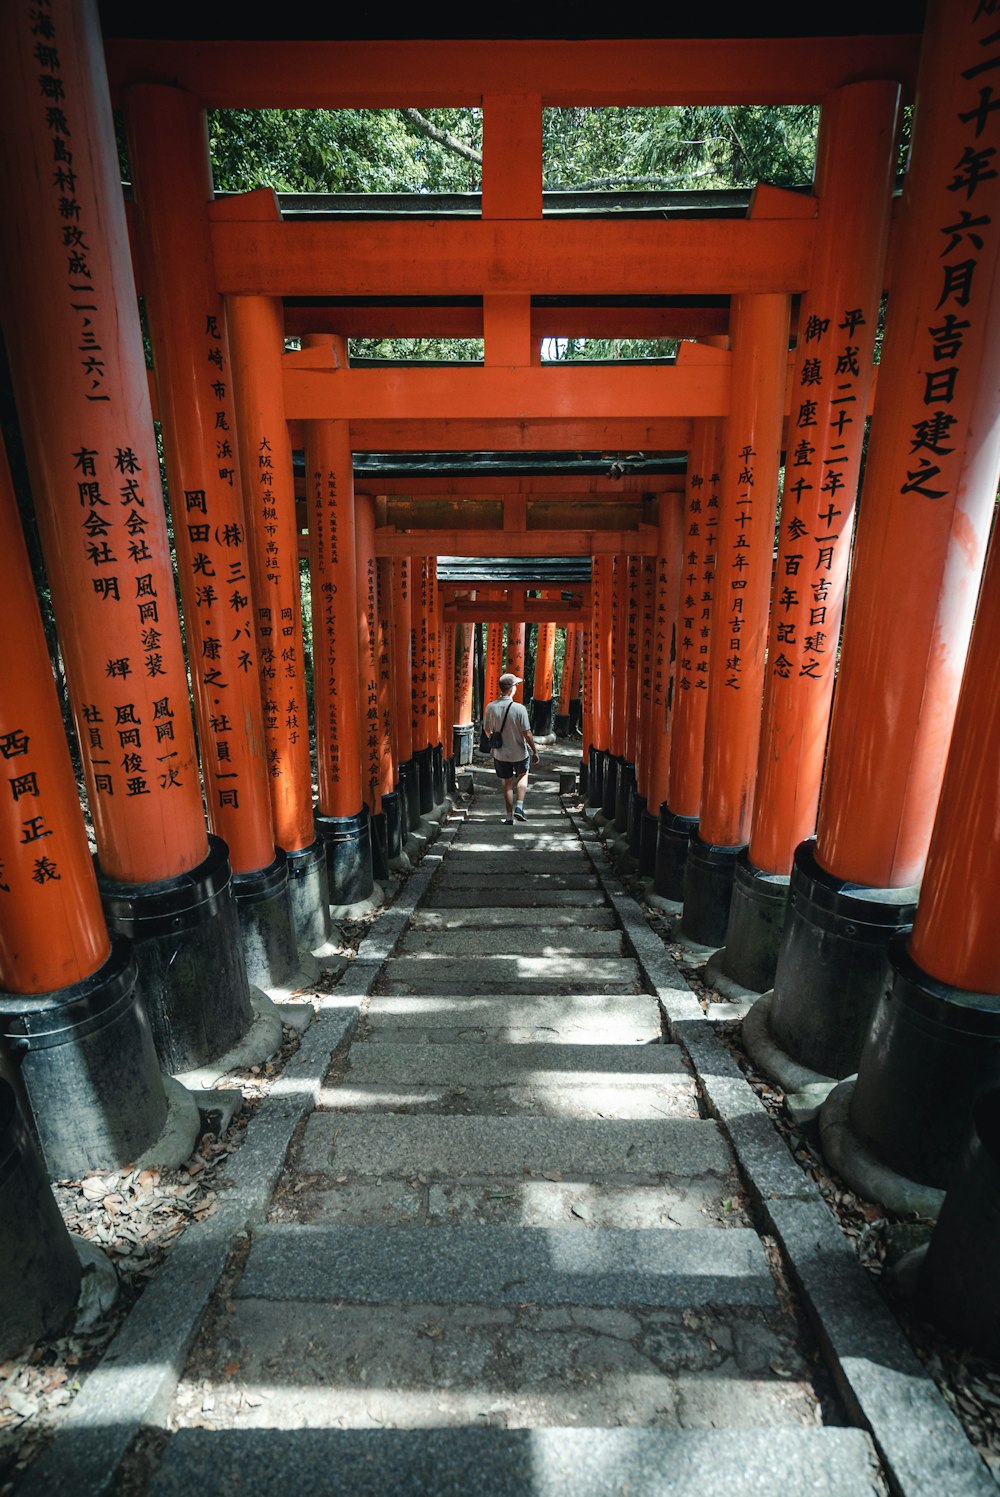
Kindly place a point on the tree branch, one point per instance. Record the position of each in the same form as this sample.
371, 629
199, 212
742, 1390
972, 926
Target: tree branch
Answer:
424, 126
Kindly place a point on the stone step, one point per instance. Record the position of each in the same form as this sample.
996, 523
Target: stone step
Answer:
461, 893
537, 942
550, 1065
519, 877
511, 973
473, 841
508, 1266
608, 1150
572, 1018
591, 917
553, 1462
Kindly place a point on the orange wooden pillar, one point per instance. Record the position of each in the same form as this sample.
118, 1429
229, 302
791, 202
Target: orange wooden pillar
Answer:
376, 757
566, 680
542, 707
586, 711
831, 379
463, 728
932, 1047
448, 693
75, 346
665, 590
629, 621
494, 663
74, 1040
644, 710
575, 687
599, 748
194, 380
403, 688
342, 818
515, 657
618, 608
424, 705
435, 682
929, 487
256, 342
697, 562
740, 612
392, 794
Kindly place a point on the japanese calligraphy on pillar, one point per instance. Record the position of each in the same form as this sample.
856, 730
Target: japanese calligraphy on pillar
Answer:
737, 566
71, 223
326, 643
698, 581
383, 607
827, 422
368, 582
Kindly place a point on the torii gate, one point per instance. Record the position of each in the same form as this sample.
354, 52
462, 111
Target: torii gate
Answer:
710, 667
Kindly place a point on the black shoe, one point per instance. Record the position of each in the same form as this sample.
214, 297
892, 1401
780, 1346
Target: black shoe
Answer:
519, 813
508, 821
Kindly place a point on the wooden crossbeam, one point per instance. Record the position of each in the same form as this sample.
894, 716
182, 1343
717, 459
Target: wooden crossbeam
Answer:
425, 74
638, 542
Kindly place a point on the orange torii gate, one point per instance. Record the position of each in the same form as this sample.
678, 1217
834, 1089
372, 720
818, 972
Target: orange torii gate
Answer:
383, 655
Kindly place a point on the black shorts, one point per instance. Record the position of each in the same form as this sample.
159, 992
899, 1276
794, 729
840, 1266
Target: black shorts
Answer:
508, 771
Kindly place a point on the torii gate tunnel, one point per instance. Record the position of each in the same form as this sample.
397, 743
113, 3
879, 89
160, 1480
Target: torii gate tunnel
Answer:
661, 548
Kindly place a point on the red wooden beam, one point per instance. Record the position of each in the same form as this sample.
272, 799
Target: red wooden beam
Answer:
422, 74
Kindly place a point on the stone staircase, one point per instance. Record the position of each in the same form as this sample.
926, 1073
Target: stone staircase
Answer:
508, 1253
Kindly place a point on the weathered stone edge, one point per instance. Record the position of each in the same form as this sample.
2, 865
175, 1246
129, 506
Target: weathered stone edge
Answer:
880, 1379
135, 1382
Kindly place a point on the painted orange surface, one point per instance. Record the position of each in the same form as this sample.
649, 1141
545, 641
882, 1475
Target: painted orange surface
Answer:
601, 665
633, 654
515, 656
333, 570
956, 933
194, 379
464, 644
493, 662
619, 629
373, 747
255, 342
570, 655
930, 479
402, 657
545, 654
830, 384
72, 333
743, 574
667, 569
52, 930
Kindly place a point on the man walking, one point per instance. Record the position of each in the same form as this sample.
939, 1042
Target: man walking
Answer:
510, 760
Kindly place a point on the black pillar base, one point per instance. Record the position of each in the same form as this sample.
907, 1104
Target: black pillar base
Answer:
831, 963
542, 716
931, 1051
576, 716
672, 844
348, 856
624, 786
562, 724
83, 1062
309, 893
437, 773
39, 1269
270, 948
462, 739
648, 829
756, 923
379, 834
451, 775
583, 774
391, 810
636, 811
192, 975
708, 891
595, 777
959, 1288
613, 764
423, 761
409, 790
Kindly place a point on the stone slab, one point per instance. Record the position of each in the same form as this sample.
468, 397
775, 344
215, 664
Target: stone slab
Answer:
554, 1462
516, 876
510, 973
538, 941
594, 1149
481, 918
625, 1020
463, 894
508, 1266
470, 1065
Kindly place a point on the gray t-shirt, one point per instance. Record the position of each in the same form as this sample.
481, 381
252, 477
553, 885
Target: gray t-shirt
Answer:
514, 748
